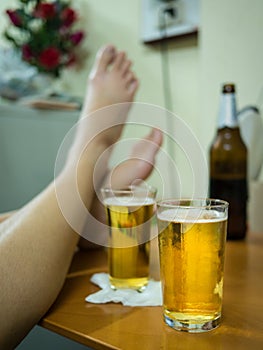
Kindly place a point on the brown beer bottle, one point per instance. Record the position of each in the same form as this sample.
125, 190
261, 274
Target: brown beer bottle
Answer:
228, 165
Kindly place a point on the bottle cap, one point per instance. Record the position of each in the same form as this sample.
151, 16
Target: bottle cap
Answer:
228, 88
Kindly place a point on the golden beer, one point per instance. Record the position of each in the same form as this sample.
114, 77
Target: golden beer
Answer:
192, 260
129, 222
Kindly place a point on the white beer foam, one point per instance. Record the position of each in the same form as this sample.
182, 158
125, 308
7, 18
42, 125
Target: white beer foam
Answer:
184, 215
128, 200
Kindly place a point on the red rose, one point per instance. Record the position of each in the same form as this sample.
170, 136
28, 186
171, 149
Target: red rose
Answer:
76, 37
49, 58
27, 53
68, 16
15, 17
45, 10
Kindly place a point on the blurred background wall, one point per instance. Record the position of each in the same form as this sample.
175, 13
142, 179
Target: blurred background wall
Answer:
228, 48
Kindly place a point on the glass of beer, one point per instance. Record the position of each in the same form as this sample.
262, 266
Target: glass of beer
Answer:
192, 236
129, 213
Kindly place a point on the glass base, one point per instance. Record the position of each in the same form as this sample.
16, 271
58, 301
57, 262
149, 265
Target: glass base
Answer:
138, 284
192, 326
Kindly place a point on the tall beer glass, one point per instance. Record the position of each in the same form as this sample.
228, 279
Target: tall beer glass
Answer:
129, 213
192, 235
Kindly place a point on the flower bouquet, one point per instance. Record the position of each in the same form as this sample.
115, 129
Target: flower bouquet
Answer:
44, 33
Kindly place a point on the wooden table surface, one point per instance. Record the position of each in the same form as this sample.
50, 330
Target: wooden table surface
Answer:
114, 326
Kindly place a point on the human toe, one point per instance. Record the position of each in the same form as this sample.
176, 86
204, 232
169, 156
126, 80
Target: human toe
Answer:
126, 67
119, 60
156, 136
132, 86
105, 57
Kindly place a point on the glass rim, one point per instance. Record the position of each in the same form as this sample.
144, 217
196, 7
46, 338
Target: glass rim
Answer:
178, 203
129, 189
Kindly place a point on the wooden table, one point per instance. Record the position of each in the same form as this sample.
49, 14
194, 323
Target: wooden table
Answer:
113, 326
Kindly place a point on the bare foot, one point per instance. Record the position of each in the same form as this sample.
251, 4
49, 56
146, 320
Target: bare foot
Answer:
136, 169
111, 80
140, 163
111, 89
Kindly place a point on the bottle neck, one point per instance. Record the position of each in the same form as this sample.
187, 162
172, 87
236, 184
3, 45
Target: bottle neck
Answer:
227, 116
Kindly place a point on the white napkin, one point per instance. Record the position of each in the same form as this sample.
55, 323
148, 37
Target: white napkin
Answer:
151, 296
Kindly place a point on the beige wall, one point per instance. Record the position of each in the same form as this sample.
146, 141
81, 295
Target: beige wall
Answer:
229, 48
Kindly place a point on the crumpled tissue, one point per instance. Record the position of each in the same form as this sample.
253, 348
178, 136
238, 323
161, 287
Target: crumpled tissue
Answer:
151, 296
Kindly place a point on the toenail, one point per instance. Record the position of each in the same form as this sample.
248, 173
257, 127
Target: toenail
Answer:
110, 49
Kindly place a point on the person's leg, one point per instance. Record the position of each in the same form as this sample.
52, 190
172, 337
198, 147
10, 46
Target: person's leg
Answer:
37, 243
